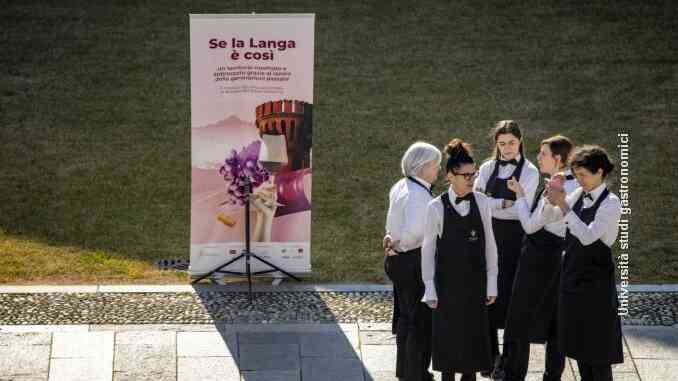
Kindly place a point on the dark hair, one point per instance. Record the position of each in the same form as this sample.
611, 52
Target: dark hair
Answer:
458, 153
560, 145
506, 127
592, 158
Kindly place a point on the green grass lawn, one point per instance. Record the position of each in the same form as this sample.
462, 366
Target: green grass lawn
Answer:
94, 113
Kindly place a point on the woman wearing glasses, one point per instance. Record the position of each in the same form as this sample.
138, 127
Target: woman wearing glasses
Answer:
459, 269
509, 161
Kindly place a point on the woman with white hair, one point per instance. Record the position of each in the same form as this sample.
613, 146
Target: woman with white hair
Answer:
405, 223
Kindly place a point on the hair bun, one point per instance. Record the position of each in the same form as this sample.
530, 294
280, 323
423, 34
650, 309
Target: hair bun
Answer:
458, 152
457, 146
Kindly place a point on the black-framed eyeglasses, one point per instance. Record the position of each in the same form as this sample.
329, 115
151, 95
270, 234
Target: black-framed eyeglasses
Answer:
467, 176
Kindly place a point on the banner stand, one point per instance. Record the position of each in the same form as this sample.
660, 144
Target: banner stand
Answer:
247, 255
251, 126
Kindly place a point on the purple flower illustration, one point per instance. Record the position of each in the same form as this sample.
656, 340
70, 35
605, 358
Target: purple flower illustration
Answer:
240, 166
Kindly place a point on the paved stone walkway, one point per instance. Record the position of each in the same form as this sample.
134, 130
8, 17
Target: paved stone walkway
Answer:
290, 332
261, 352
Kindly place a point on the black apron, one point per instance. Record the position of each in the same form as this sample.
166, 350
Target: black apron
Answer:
509, 237
460, 322
535, 288
589, 327
396, 308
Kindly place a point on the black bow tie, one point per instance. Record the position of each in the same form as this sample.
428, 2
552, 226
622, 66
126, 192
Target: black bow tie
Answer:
588, 195
507, 162
467, 197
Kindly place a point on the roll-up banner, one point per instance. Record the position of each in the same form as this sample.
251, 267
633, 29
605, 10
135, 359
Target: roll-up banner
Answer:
251, 120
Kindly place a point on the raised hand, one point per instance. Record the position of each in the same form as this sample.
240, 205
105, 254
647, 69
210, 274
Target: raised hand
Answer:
515, 187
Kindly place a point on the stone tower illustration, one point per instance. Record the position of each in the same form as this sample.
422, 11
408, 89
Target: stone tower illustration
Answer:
291, 118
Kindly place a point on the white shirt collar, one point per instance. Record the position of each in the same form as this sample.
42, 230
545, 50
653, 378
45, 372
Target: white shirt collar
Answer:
452, 194
424, 182
518, 157
596, 192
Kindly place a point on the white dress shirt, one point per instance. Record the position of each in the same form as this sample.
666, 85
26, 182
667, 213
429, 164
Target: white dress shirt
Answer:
434, 229
529, 180
544, 212
407, 213
605, 225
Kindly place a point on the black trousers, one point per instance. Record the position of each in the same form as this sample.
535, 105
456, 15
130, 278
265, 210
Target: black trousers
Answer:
464, 377
519, 357
494, 344
516, 363
413, 328
589, 372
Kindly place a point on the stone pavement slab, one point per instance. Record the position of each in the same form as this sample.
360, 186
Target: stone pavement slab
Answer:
153, 327
295, 327
24, 356
145, 355
332, 369
269, 337
272, 375
374, 326
652, 342
207, 344
44, 328
652, 369
384, 375
330, 343
271, 352
335, 345
377, 338
84, 356
257, 357
122, 288
80, 369
47, 289
379, 357
207, 369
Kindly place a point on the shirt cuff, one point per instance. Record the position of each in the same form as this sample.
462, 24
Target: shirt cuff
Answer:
430, 292
491, 285
497, 203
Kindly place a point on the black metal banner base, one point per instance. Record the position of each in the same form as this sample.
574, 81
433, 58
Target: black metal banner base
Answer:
247, 254
248, 272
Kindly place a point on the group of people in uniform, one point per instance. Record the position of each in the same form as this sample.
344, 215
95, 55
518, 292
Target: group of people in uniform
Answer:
503, 248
